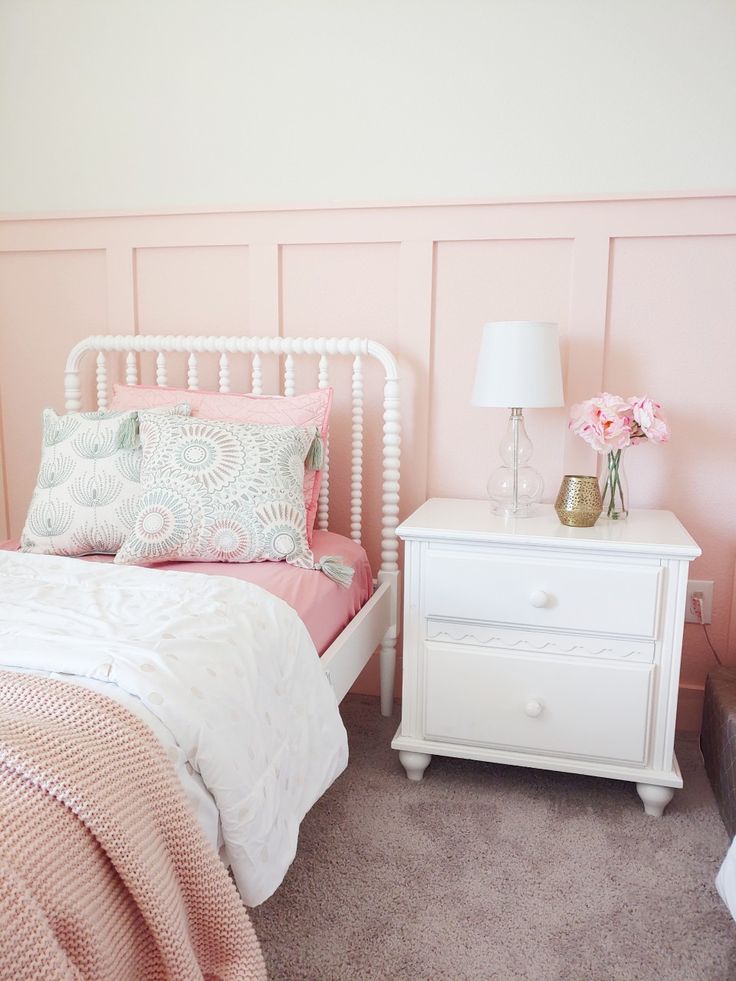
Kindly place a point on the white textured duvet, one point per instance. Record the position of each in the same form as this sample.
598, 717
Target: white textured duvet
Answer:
224, 673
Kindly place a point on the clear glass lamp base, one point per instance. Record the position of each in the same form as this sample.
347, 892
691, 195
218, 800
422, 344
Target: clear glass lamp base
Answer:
529, 488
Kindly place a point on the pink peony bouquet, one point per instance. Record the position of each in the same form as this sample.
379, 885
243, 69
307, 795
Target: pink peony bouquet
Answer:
609, 422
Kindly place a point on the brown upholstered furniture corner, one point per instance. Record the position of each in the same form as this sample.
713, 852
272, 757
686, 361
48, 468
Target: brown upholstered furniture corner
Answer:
718, 740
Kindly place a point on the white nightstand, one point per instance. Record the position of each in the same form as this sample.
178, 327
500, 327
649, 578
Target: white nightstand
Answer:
530, 643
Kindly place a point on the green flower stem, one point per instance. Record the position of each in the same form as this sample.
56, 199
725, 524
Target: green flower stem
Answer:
613, 485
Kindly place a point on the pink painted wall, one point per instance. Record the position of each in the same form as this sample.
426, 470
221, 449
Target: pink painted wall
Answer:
644, 291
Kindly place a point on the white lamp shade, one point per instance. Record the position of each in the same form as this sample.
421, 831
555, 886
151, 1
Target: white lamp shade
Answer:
519, 366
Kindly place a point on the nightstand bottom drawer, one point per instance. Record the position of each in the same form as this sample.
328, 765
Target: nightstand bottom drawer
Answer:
571, 708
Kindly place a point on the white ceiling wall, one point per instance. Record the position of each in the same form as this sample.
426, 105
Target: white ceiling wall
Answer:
148, 104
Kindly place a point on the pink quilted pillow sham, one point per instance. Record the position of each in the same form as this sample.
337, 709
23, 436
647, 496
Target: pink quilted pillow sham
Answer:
307, 411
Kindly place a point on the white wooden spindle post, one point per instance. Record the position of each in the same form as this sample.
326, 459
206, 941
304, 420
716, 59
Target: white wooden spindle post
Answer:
356, 475
161, 376
131, 369
192, 373
391, 457
101, 375
389, 541
72, 391
224, 373
289, 384
323, 502
256, 376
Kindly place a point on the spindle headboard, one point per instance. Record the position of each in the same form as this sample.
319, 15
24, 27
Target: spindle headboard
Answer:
377, 621
288, 348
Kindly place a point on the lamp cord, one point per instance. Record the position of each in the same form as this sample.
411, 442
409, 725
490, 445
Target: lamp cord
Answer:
707, 637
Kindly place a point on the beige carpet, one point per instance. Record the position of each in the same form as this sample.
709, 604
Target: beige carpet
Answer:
485, 871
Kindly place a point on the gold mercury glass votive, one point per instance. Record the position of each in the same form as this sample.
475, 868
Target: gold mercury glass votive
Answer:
578, 502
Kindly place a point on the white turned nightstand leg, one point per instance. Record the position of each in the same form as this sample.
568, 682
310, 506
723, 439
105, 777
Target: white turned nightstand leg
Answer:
654, 798
414, 763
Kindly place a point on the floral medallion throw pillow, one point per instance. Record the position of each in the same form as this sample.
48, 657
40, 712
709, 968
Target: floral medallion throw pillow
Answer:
220, 492
306, 410
88, 483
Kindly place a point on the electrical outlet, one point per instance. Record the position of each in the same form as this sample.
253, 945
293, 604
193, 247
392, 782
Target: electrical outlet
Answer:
706, 588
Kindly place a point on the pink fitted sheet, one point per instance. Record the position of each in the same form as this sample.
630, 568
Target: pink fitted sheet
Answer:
324, 607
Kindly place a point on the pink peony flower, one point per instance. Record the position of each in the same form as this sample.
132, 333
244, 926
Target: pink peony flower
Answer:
650, 420
604, 421
610, 423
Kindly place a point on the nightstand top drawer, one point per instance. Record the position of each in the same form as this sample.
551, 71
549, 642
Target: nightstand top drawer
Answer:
478, 584
645, 532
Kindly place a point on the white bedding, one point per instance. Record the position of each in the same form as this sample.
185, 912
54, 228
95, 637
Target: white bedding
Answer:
726, 879
224, 672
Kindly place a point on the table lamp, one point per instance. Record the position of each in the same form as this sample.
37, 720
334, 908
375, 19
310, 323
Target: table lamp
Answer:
518, 368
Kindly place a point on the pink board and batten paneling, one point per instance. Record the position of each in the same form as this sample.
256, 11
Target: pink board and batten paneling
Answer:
644, 291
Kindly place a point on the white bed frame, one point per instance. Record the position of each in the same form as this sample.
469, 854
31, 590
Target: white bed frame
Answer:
376, 623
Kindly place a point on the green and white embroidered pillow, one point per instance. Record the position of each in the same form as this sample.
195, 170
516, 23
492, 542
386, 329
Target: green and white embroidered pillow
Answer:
221, 492
88, 483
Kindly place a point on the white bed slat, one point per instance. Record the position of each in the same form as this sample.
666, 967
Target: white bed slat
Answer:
161, 376
323, 502
356, 462
289, 380
131, 369
256, 376
101, 378
192, 373
224, 377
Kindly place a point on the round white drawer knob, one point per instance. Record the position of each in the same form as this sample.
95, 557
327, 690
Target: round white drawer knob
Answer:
534, 708
539, 598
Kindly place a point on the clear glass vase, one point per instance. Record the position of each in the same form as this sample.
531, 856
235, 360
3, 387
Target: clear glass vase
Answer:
614, 487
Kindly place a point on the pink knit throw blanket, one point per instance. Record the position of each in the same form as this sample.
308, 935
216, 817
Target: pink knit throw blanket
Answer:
104, 872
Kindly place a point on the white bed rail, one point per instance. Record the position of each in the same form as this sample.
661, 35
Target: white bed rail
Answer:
287, 347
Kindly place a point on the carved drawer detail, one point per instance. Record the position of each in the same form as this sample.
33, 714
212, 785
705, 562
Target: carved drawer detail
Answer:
496, 637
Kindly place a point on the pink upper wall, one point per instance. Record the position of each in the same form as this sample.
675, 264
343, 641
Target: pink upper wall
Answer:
643, 289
